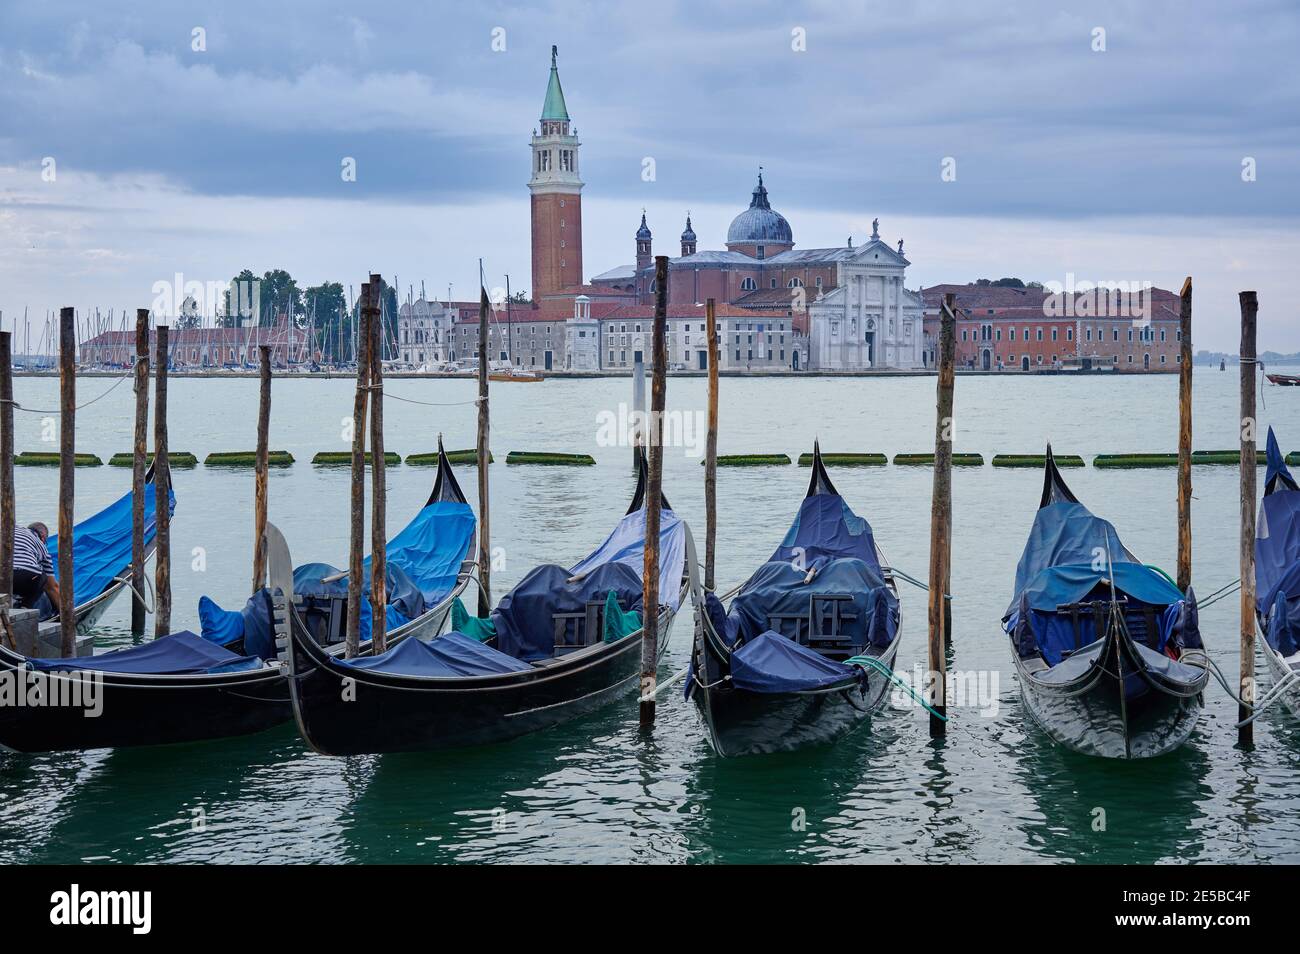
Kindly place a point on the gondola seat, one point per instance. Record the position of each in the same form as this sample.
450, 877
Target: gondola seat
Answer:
452, 654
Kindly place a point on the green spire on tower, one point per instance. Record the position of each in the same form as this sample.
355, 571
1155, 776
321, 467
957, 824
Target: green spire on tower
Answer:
554, 107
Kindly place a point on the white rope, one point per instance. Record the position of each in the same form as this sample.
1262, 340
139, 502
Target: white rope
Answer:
671, 681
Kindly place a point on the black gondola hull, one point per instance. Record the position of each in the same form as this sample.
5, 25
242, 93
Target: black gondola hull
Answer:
1102, 715
337, 708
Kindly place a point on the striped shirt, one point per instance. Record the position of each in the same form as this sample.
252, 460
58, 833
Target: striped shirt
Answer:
30, 553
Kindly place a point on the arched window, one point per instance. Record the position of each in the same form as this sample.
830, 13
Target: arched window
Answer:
794, 283
748, 285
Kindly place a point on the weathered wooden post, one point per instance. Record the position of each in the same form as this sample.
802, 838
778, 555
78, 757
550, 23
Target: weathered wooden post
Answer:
67, 466
6, 469
162, 485
711, 451
1246, 686
654, 499
378, 477
1185, 437
638, 411
139, 453
356, 540
941, 520
6, 484
261, 467
484, 455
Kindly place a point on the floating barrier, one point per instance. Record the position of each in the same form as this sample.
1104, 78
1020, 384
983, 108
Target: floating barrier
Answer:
1225, 457
344, 459
554, 460
247, 459
174, 459
927, 460
752, 460
453, 457
1134, 461
1036, 460
1293, 457
47, 459
846, 460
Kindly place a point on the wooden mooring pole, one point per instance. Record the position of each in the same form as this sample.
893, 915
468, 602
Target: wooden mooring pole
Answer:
7, 517
638, 411
356, 514
941, 520
1246, 685
484, 456
1185, 437
654, 499
67, 467
139, 465
378, 476
711, 451
162, 485
261, 467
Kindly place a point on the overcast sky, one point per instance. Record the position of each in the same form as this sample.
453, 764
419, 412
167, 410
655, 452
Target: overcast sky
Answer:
1117, 164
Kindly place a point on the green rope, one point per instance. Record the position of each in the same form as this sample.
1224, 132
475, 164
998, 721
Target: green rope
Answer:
872, 662
1152, 566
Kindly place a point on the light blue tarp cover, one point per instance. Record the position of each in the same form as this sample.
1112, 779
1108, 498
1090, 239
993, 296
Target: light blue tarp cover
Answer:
422, 563
771, 663
523, 618
1277, 555
453, 654
828, 537
178, 654
101, 545
1064, 561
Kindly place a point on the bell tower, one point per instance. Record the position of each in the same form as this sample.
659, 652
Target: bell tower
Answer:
556, 196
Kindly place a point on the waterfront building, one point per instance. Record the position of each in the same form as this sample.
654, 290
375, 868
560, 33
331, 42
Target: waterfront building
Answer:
424, 333
199, 348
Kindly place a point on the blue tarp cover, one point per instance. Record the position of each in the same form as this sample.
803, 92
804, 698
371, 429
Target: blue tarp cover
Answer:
829, 537
1065, 544
450, 655
772, 663
1277, 557
422, 563
101, 545
523, 618
177, 654
826, 529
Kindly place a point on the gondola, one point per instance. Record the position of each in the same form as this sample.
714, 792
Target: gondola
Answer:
1277, 577
184, 687
558, 645
1108, 651
101, 557
805, 652
1285, 380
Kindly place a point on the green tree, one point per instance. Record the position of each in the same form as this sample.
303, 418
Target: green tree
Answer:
326, 310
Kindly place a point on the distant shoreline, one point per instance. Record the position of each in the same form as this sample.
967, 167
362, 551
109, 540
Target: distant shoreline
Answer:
580, 375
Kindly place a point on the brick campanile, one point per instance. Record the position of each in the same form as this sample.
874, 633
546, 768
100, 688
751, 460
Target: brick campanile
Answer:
556, 196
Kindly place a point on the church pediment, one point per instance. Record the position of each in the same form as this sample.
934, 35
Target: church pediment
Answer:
876, 252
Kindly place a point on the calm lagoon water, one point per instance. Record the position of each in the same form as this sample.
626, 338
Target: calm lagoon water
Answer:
994, 791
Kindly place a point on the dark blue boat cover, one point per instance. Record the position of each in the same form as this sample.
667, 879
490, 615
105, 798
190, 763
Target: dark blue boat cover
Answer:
524, 617
101, 545
1067, 555
178, 654
1277, 555
771, 663
830, 540
827, 529
422, 563
450, 655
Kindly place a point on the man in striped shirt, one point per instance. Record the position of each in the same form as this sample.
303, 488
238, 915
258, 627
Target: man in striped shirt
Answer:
33, 569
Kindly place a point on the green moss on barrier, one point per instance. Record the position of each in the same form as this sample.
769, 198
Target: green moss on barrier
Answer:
344, 459
45, 459
1122, 461
752, 460
552, 460
1035, 460
247, 459
1225, 457
174, 459
1293, 457
453, 457
846, 460
927, 460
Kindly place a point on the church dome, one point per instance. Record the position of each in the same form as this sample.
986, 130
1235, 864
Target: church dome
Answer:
643, 233
760, 222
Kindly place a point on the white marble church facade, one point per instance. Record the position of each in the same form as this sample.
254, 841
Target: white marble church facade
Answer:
869, 319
